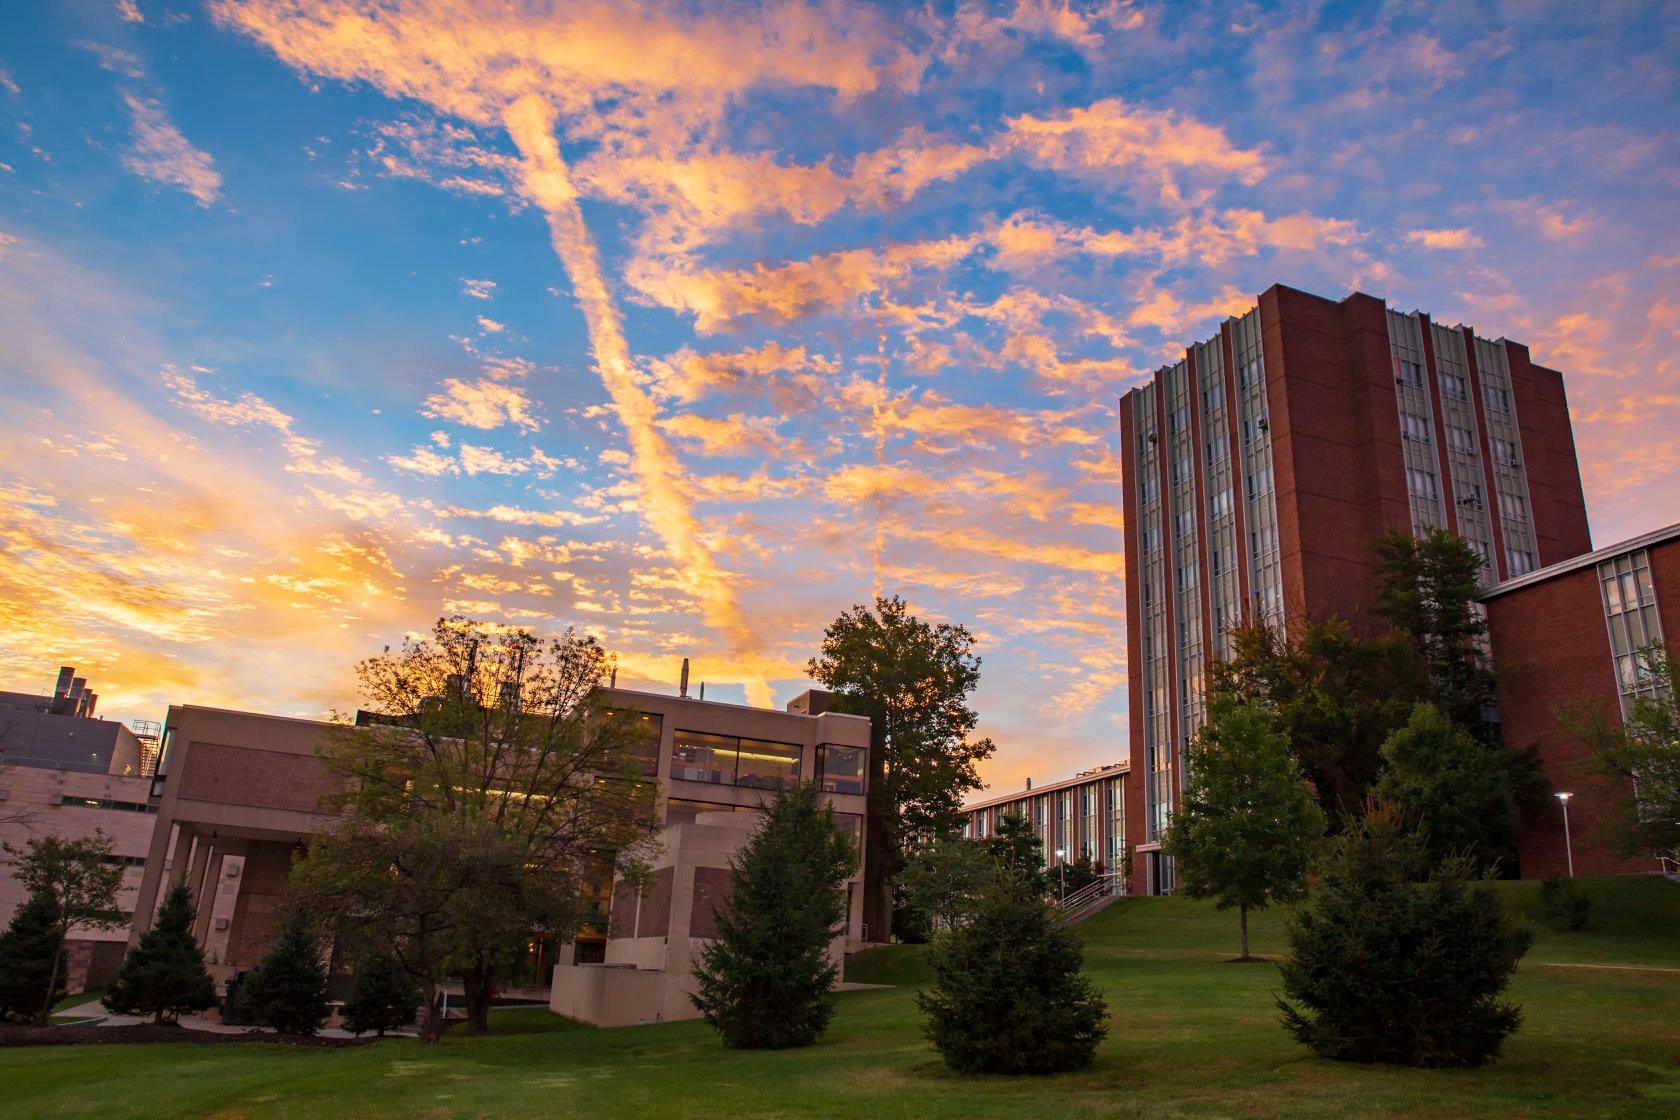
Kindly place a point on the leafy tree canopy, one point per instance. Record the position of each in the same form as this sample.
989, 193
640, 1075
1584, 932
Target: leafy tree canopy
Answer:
1248, 824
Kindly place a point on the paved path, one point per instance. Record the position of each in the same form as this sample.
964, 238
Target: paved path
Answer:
96, 1010
1617, 967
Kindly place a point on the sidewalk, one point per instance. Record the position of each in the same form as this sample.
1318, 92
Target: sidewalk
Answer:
103, 1018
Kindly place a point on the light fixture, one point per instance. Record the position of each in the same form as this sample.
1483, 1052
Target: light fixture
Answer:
1568, 844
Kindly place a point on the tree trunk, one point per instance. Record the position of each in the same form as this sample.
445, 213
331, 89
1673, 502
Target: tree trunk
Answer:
431, 1023
478, 985
52, 980
1242, 923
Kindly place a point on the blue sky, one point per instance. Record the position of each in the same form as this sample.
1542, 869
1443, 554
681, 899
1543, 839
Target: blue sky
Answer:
691, 325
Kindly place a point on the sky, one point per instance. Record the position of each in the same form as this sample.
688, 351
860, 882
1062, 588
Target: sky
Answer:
691, 325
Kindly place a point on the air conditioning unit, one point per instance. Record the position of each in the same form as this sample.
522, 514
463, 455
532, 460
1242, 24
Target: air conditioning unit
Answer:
233, 870
221, 923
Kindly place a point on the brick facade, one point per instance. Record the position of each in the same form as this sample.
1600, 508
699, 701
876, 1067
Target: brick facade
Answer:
1552, 649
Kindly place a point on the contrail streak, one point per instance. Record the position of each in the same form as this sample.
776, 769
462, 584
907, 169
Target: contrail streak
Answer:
530, 122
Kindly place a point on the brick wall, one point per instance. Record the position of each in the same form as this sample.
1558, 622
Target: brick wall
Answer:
256, 778
1553, 651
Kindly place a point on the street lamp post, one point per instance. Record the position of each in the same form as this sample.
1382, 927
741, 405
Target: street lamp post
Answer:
1568, 844
1061, 868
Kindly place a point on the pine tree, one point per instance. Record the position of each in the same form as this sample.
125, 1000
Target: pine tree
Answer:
383, 998
1015, 845
288, 988
31, 960
767, 980
1008, 994
1248, 822
164, 975
1453, 788
1398, 959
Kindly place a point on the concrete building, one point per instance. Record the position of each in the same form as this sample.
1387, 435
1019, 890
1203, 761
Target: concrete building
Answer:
1571, 633
1082, 817
1257, 468
66, 773
236, 794
716, 764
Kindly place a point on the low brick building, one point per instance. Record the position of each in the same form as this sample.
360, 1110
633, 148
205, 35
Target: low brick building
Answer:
1571, 634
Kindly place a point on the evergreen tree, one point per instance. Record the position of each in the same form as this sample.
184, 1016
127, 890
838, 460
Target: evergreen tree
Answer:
1015, 845
767, 980
1008, 993
288, 988
31, 960
1427, 592
1454, 789
164, 976
1248, 823
1396, 959
383, 998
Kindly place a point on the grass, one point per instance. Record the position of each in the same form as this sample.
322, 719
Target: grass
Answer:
1191, 1036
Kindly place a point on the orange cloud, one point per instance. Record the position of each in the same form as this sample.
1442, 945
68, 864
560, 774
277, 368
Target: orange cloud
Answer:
162, 155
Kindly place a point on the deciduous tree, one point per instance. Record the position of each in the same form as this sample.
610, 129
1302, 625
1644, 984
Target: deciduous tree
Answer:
1635, 762
489, 782
940, 885
1248, 826
1336, 696
912, 679
80, 878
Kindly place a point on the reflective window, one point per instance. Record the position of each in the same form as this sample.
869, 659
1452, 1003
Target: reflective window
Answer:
680, 810
643, 743
765, 765
703, 758
840, 768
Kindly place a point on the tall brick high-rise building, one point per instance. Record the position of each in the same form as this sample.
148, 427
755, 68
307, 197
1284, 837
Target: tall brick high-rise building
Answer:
1258, 468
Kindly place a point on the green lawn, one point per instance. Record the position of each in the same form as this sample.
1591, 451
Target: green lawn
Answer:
1191, 1036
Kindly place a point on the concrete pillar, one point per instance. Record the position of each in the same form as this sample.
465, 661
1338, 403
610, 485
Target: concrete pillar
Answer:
195, 877
145, 903
204, 895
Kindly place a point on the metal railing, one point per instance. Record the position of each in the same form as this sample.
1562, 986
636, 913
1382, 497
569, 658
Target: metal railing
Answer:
1108, 885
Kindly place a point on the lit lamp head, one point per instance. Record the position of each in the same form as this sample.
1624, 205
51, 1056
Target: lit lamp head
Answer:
1060, 854
1564, 797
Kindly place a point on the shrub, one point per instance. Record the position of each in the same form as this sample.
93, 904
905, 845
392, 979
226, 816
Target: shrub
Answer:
383, 998
164, 976
31, 960
1008, 994
1454, 789
288, 989
1565, 901
767, 980
1395, 959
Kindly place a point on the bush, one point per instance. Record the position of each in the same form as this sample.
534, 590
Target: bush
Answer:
164, 976
288, 989
767, 980
32, 959
1565, 901
383, 998
1008, 994
1453, 788
1395, 959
